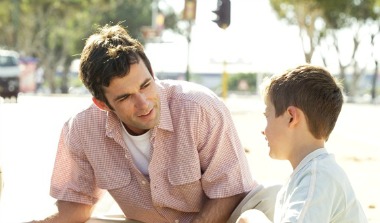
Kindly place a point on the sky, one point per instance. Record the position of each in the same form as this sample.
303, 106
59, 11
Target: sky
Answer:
255, 41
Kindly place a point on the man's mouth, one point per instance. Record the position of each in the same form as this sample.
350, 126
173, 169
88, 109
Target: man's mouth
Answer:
146, 113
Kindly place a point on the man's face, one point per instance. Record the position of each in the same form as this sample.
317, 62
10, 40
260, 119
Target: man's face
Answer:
135, 99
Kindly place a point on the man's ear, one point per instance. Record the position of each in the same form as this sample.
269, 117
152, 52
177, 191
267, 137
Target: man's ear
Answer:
100, 104
293, 115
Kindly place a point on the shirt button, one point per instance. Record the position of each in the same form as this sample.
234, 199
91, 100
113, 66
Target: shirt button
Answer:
143, 182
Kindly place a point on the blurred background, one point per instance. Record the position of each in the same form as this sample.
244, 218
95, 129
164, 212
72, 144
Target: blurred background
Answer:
225, 45
229, 46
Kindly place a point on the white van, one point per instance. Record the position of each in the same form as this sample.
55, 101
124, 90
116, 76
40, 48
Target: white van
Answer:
9, 74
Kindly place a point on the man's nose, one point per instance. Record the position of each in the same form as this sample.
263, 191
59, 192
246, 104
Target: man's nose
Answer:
141, 101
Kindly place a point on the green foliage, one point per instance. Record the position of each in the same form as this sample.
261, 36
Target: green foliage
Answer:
133, 13
343, 13
320, 24
55, 30
242, 82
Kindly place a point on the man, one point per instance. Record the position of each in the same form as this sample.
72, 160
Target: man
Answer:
167, 151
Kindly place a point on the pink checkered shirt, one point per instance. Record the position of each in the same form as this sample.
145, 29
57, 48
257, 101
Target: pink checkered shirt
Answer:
196, 153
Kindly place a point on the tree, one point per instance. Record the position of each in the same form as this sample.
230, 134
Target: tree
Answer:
55, 30
355, 19
322, 22
305, 14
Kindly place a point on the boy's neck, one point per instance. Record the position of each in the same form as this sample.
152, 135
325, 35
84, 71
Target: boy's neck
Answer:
302, 150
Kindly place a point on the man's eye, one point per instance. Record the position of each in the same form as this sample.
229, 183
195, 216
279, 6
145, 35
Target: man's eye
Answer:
146, 85
124, 98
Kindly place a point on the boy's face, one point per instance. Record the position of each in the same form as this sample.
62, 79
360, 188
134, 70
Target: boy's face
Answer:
276, 133
135, 99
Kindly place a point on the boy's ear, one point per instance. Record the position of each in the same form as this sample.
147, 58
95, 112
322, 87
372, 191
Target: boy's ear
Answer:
293, 115
100, 104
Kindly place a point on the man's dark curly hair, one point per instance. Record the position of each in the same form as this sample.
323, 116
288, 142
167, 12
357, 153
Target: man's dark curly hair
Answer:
109, 53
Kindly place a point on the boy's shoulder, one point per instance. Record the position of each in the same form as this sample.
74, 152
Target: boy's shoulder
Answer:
321, 176
320, 188
321, 164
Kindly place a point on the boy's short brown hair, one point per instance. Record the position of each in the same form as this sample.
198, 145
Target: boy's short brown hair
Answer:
313, 90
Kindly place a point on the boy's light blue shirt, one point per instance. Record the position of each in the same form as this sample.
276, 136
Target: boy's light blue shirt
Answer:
318, 190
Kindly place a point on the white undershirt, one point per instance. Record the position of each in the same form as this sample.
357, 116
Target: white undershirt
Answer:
139, 147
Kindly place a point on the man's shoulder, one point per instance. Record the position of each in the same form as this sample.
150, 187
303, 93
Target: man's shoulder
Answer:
90, 110
188, 92
91, 114
185, 87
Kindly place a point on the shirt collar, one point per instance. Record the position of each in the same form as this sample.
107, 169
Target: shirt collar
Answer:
112, 124
309, 157
165, 116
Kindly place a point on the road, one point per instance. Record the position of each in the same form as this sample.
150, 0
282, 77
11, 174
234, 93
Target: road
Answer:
29, 132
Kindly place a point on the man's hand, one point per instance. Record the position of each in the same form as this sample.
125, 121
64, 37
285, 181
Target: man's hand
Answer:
218, 210
69, 212
253, 216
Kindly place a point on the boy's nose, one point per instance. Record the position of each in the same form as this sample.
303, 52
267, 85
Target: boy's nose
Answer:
263, 132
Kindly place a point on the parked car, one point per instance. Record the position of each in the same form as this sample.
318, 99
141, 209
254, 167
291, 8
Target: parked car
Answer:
9, 74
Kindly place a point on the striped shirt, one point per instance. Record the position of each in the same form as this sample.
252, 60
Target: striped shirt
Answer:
196, 153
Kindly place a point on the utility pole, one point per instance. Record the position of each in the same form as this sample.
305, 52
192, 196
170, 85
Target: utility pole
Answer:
188, 38
154, 13
189, 14
223, 13
15, 21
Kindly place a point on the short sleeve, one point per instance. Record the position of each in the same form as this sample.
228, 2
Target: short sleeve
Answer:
73, 178
317, 198
223, 161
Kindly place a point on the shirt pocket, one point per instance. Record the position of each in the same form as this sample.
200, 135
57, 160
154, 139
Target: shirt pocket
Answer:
110, 180
186, 188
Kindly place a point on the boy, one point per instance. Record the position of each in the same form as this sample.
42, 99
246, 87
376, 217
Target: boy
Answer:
302, 107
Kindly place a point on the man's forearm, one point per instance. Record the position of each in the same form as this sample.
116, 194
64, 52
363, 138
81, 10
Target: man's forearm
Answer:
218, 210
69, 212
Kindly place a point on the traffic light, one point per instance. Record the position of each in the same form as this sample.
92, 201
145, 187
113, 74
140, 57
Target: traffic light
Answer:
223, 13
189, 12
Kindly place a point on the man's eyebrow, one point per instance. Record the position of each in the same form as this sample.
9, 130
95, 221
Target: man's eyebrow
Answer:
147, 80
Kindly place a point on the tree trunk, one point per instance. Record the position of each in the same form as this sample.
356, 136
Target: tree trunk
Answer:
374, 82
65, 75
